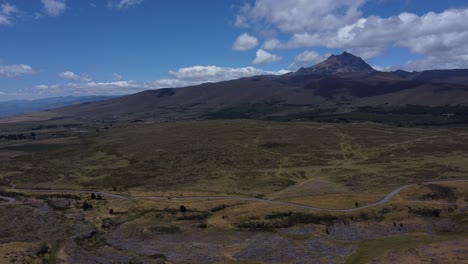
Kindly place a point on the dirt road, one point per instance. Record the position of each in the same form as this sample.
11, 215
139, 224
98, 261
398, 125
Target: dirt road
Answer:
385, 199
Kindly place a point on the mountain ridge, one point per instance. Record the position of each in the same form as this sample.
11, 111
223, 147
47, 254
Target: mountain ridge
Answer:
339, 64
342, 83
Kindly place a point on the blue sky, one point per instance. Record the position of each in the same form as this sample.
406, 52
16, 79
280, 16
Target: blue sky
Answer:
99, 47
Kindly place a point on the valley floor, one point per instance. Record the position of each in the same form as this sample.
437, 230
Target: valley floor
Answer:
252, 192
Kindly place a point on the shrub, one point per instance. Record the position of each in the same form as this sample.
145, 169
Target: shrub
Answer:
87, 206
439, 192
194, 216
218, 208
165, 229
426, 212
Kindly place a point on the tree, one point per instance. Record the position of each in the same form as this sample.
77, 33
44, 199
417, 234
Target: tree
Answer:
356, 204
93, 196
182, 209
111, 211
327, 231
98, 197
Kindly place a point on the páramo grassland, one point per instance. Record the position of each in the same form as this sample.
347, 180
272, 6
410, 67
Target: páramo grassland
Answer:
236, 191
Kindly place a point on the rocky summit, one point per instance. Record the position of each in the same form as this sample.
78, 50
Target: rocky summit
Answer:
339, 64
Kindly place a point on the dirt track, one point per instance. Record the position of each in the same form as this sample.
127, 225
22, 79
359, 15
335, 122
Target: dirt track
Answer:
387, 198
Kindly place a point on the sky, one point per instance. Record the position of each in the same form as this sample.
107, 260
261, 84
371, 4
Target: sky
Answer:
51, 48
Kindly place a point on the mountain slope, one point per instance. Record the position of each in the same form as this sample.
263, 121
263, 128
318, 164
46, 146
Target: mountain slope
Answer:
343, 80
345, 63
16, 107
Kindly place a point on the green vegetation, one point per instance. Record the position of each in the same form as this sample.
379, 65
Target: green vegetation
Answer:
326, 165
35, 147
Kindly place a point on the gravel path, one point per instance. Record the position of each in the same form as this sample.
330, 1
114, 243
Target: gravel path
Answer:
387, 198
6, 200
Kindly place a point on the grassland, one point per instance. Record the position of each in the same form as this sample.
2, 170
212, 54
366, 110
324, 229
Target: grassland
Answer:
277, 160
325, 165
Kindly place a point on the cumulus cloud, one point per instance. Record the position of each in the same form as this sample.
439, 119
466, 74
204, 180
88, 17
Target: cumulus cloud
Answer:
296, 16
74, 77
124, 4
245, 42
11, 71
54, 7
265, 58
200, 74
440, 37
180, 78
88, 88
7, 11
451, 61
308, 58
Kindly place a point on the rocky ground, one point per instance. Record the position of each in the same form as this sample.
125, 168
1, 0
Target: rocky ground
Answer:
56, 229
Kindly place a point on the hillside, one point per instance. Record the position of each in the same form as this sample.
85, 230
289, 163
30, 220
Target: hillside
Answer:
16, 107
341, 84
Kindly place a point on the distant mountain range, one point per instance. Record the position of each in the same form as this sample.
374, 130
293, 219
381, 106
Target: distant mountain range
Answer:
16, 107
342, 88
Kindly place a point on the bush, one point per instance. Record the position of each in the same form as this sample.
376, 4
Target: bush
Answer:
218, 208
87, 206
277, 215
42, 251
440, 192
165, 229
426, 212
303, 218
286, 219
194, 216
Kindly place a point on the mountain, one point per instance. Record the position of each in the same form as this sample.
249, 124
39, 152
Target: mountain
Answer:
343, 87
345, 63
16, 107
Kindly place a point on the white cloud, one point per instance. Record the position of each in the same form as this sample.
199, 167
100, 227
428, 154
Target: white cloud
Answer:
8, 9
308, 58
200, 74
451, 61
296, 16
440, 37
54, 7
265, 58
180, 78
42, 87
11, 71
6, 13
75, 77
117, 77
245, 42
4, 20
124, 4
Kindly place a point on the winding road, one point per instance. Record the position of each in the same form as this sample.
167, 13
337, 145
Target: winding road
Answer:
388, 197
7, 200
